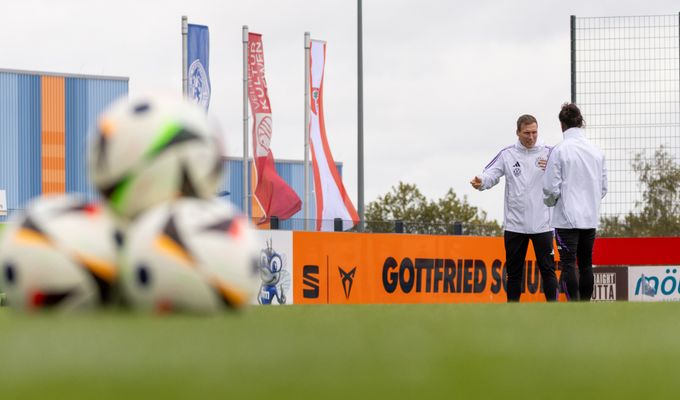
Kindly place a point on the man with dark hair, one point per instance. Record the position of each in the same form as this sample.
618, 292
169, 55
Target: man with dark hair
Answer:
574, 184
526, 217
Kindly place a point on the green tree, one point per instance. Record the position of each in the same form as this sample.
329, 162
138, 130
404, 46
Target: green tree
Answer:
658, 213
405, 202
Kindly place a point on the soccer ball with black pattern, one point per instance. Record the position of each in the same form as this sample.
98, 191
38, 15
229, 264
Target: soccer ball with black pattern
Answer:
60, 254
151, 149
190, 255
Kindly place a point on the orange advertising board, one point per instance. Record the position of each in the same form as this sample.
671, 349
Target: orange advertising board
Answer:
354, 268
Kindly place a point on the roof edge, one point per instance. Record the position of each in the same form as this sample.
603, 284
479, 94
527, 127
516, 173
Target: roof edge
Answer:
64, 75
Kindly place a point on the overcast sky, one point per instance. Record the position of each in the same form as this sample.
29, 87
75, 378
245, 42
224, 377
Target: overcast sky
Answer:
444, 81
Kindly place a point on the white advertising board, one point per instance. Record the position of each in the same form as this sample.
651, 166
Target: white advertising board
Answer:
654, 283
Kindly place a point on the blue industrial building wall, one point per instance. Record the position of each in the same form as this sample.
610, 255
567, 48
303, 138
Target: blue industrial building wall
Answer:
30, 171
20, 144
85, 99
21, 130
9, 138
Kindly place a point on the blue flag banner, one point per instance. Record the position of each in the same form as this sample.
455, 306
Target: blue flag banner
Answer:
198, 57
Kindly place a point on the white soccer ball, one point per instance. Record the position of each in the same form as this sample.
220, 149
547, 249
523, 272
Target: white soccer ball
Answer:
190, 255
61, 254
151, 149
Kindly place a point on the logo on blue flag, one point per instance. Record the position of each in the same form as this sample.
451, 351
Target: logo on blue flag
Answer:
198, 56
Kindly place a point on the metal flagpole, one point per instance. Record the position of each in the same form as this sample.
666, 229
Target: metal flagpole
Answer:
245, 122
573, 58
360, 120
185, 34
307, 115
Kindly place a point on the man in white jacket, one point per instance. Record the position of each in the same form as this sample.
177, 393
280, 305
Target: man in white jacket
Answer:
526, 217
575, 183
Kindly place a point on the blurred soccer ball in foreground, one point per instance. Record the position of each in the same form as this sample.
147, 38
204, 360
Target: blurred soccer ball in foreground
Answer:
61, 253
190, 255
151, 149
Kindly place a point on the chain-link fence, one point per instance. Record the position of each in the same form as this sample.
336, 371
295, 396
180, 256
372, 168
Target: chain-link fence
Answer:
626, 80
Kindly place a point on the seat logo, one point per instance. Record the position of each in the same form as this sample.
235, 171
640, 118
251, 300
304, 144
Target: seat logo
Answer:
310, 280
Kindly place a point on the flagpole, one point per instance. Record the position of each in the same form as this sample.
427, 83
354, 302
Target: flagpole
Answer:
306, 169
185, 34
360, 119
245, 121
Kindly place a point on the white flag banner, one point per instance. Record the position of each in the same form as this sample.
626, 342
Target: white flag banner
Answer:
3, 203
331, 198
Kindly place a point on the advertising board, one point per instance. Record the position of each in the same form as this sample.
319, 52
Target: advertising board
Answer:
352, 268
610, 284
275, 266
653, 283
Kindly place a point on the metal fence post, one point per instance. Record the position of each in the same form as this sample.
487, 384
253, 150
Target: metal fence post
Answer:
457, 228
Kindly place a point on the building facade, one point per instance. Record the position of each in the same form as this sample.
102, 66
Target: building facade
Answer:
292, 171
45, 119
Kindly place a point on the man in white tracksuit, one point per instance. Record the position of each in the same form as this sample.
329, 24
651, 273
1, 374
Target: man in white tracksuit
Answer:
574, 184
526, 217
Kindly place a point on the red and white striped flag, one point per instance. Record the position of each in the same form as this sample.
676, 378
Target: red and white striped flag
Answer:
331, 198
272, 194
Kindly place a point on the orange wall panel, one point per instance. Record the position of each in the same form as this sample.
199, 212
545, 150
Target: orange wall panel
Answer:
53, 134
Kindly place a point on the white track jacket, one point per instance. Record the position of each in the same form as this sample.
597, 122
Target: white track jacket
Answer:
524, 208
575, 182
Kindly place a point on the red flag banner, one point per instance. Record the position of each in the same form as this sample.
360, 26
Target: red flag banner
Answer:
331, 198
271, 192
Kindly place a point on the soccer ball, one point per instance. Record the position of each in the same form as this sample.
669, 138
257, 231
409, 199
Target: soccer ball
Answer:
151, 149
61, 253
190, 255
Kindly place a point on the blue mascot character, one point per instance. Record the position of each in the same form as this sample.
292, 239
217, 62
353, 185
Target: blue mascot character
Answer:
275, 278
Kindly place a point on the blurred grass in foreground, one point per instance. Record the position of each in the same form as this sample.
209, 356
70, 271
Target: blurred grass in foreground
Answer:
597, 350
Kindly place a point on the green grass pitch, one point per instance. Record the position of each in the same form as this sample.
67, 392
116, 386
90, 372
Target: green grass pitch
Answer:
553, 351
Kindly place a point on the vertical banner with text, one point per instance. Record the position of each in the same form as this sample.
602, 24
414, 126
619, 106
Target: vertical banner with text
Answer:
272, 195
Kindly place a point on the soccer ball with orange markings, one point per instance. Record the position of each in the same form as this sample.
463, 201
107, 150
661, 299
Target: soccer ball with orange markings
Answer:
190, 255
60, 254
151, 149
